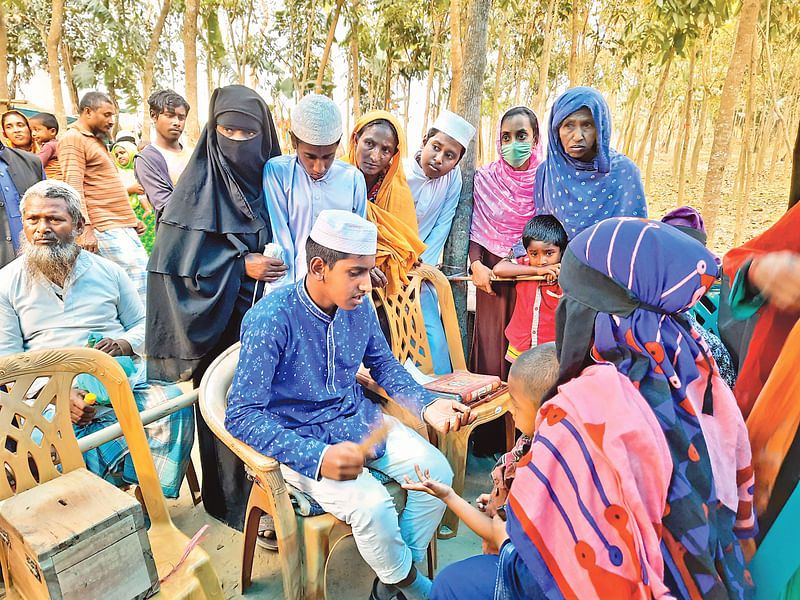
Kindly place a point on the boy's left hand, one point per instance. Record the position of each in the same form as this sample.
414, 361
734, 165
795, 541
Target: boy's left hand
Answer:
427, 485
447, 415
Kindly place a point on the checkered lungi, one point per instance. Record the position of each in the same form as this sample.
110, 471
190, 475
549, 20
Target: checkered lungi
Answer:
170, 440
123, 246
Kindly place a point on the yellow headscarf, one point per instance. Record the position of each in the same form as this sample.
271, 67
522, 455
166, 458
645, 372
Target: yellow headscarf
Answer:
393, 211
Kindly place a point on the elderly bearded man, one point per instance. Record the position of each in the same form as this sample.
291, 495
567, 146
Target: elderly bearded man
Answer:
55, 295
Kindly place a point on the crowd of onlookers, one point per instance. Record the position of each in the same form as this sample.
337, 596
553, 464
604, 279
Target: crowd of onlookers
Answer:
659, 452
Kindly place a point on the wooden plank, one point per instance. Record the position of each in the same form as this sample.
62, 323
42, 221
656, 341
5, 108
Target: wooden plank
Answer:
116, 572
501, 279
47, 525
89, 546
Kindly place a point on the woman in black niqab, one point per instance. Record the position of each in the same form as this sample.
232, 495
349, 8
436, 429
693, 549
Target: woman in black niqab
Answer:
197, 287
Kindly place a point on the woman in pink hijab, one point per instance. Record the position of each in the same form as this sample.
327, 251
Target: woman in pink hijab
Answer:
503, 203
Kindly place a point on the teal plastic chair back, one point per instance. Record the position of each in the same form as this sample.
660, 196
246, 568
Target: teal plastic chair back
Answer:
776, 566
707, 309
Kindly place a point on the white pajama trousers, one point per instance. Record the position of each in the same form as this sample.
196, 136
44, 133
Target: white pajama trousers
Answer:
387, 542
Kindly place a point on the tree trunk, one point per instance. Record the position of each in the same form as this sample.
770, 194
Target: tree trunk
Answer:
4, 95
686, 130
53, 62
497, 78
307, 55
328, 43
149, 65
407, 103
794, 189
66, 57
573, 48
544, 63
190, 58
662, 84
356, 75
748, 19
437, 28
387, 88
655, 117
468, 106
456, 51
745, 168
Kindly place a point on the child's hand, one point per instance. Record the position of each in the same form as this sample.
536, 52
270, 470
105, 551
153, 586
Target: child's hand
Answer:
550, 273
426, 484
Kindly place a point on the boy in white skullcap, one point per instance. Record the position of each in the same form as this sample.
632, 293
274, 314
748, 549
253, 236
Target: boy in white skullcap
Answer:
295, 398
435, 183
297, 187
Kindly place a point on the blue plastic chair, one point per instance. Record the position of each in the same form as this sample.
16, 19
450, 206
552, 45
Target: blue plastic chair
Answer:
707, 310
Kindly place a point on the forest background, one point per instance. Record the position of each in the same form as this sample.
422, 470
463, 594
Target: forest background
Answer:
704, 93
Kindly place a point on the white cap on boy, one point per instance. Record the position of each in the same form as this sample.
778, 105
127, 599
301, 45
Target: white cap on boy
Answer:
316, 120
456, 127
346, 232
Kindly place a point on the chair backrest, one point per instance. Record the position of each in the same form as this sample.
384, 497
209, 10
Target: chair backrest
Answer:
22, 417
213, 400
406, 324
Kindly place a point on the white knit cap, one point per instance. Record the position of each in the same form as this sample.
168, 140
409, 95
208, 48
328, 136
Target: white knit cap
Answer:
346, 232
316, 120
456, 127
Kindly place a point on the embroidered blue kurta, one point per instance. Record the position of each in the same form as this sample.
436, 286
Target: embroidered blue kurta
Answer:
294, 391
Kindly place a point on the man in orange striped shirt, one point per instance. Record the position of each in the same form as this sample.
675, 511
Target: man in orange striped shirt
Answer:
111, 227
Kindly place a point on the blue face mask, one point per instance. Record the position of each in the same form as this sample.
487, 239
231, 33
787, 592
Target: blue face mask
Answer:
516, 153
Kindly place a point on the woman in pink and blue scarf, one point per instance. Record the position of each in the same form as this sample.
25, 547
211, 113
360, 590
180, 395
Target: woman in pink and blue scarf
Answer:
638, 483
584, 180
503, 203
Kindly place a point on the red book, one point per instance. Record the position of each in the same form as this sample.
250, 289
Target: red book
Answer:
464, 386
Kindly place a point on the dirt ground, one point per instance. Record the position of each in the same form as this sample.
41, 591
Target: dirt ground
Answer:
767, 202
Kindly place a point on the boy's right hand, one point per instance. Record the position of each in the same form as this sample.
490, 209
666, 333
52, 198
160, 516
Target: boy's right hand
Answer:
342, 461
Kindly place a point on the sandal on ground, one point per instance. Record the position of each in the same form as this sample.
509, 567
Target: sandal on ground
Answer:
393, 592
266, 537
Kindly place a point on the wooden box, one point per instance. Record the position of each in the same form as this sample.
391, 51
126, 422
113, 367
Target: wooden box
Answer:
77, 537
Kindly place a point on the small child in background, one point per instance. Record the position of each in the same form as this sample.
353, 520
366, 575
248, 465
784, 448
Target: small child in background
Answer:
534, 319
44, 129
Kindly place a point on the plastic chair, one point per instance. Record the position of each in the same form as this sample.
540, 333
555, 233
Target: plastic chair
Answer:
302, 569
195, 579
707, 308
410, 341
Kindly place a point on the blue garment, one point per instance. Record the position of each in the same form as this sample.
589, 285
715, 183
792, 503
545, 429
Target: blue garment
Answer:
488, 577
435, 201
580, 194
10, 196
294, 201
294, 392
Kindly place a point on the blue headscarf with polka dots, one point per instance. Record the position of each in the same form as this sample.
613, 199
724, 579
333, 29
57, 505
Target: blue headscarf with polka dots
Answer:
579, 193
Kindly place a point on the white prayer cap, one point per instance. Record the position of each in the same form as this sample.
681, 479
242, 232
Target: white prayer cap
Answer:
456, 127
316, 120
346, 232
